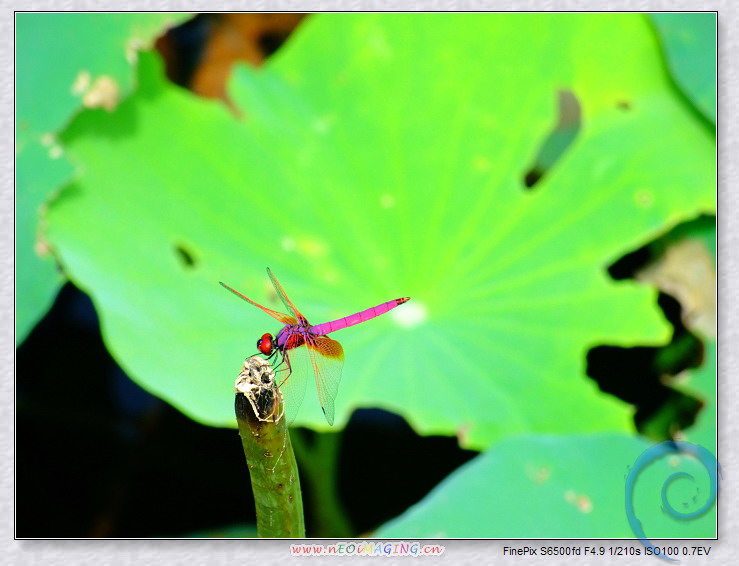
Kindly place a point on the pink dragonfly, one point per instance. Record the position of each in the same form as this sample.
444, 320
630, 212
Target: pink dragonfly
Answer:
305, 348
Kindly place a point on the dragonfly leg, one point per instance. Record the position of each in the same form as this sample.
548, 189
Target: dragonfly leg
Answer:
285, 361
278, 364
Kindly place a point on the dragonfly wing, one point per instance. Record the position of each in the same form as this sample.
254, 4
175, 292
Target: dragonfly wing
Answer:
327, 359
292, 309
294, 376
282, 317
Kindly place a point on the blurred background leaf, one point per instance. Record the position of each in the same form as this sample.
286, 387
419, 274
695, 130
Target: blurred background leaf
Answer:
61, 58
364, 173
64, 62
703, 382
558, 486
200, 53
689, 42
37, 278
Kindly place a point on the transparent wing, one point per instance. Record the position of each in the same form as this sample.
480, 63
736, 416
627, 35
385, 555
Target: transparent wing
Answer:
327, 359
292, 309
292, 377
282, 317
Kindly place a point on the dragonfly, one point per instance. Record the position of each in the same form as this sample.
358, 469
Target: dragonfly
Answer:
304, 349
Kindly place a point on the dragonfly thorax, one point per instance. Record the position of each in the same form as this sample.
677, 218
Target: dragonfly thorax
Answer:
291, 336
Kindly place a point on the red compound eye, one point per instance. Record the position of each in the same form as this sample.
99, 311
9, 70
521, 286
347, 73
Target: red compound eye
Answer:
264, 344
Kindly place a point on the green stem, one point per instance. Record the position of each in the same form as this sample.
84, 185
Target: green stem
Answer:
319, 461
269, 453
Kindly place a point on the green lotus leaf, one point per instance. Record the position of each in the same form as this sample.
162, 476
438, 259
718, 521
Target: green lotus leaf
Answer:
381, 156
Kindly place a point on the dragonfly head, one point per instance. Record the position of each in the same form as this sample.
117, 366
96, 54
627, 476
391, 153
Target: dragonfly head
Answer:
265, 344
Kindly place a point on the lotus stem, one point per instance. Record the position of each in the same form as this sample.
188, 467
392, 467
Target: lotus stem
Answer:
269, 454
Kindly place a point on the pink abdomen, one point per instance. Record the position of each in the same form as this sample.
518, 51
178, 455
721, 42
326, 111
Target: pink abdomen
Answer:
357, 317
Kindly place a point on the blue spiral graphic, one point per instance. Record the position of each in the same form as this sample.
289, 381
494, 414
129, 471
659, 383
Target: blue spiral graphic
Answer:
654, 453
